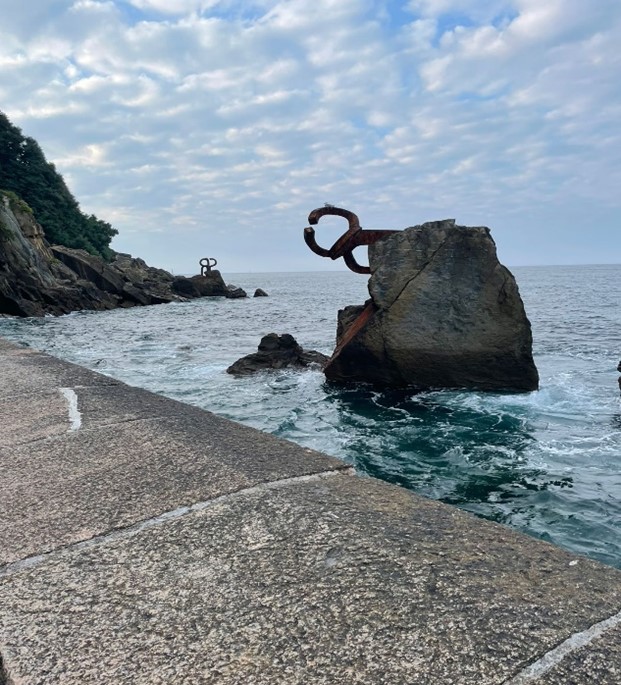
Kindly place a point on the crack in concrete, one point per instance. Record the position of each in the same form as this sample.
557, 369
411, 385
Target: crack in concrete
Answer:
29, 563
572, 644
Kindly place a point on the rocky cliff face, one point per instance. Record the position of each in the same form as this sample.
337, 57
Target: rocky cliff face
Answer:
38, 279
443, 313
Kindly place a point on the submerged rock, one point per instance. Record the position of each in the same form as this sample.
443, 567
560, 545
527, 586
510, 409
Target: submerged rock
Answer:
259, 292
277, 352
443, 313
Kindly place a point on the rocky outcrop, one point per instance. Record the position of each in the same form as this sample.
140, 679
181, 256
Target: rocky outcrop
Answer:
38, 279
259, 292
32, 281
277, 352
443, 313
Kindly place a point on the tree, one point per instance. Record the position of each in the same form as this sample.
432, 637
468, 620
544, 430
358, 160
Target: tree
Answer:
25, 171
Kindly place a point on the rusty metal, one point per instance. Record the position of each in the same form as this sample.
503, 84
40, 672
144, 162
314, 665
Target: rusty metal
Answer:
353, 237
207, 264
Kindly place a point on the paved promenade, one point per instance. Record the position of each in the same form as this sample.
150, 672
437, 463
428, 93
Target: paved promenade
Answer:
147, 542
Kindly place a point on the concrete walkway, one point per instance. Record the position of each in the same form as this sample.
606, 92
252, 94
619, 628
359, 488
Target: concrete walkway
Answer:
146, 542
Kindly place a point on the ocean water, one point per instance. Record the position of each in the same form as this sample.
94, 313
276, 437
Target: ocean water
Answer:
547, 463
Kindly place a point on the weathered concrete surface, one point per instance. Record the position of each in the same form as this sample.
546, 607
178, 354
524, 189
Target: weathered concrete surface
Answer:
27, 371
281, 568
134, 456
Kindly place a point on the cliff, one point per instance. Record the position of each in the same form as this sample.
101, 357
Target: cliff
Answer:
37, 278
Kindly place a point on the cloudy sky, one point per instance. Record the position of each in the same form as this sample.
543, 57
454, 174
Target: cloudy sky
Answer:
213, 127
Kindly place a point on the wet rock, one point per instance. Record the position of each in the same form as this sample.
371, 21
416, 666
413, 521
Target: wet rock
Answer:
277, 352
443, 313
234, 292
210, 285
259, 292
185, 287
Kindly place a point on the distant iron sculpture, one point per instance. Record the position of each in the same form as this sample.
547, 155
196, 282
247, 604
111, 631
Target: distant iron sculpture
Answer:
354, 237
207, 264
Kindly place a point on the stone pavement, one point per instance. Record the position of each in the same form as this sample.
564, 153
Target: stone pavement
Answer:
144, 541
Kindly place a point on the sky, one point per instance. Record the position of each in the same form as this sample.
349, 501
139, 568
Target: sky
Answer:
213, 127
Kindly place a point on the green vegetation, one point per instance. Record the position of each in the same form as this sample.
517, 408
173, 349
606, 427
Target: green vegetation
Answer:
25, 172
16, 202
5, 231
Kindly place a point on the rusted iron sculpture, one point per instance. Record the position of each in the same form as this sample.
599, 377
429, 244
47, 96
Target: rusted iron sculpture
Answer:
354, 237
207, 264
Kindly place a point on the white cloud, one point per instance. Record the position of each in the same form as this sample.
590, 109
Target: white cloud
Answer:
178, 119
174, 7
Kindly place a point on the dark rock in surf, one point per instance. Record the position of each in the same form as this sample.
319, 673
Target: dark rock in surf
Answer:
277, 352
443, 313
233, 292
259, 292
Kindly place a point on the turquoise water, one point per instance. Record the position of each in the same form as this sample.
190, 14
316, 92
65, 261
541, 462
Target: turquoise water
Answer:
547, 463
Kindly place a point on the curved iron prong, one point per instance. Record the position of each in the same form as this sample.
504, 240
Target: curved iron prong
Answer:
353, 237
309, 239
350, 260
343, 243
207, 264
316, 214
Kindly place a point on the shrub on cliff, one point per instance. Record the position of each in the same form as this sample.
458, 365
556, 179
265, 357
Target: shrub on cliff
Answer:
25, 171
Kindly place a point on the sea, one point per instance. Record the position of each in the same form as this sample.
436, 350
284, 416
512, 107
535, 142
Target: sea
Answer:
547, 463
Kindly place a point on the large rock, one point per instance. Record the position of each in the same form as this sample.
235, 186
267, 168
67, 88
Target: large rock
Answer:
277, 352
210, 285
444, 313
